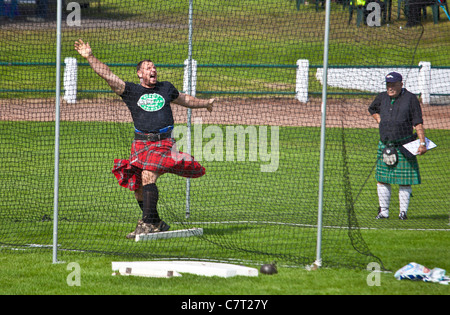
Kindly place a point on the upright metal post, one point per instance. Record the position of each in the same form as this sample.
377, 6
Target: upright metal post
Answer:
322, 135
57, 119
189, 111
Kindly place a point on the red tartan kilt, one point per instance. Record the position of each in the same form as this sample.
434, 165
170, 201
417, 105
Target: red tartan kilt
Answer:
160, 157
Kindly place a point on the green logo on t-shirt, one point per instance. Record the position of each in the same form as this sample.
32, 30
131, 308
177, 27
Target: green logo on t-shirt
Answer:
151, 102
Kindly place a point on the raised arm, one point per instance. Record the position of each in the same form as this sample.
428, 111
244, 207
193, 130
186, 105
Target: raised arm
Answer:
116, 84
193, 102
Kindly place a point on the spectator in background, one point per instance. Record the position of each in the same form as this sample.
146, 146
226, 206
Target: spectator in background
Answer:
8, 10
414, 7
41, 9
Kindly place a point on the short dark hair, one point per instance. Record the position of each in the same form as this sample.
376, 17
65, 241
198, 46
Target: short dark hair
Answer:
138, 67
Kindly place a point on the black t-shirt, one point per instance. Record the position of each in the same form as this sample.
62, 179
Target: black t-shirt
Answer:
150, 107
398, 115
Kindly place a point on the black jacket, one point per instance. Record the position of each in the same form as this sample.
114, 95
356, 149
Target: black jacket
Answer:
398, 116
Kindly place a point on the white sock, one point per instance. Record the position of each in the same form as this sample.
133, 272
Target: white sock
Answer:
384, 197
404, 194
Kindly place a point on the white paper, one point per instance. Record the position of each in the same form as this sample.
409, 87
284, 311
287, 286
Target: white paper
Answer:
413, 146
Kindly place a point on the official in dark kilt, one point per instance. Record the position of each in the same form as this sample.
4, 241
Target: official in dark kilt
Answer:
153, 151
398, 113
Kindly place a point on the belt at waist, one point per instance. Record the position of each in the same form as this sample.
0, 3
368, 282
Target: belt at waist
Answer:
152, 136
162, 130
401, 141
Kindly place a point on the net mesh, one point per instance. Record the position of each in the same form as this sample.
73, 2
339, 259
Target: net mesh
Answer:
260, 146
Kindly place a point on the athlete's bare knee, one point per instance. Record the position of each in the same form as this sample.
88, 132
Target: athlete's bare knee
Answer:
149, 177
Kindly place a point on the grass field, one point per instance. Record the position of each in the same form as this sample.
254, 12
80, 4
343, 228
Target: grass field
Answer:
95, 213
88, 212
33, 273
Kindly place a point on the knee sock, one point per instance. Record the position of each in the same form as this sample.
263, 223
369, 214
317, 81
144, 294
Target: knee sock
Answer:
404, 194
384, 196
149, 203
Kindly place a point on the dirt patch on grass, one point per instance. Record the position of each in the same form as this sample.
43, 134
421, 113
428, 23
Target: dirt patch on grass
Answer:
351, 113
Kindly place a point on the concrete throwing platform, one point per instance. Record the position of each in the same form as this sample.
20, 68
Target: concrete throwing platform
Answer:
169, 234
167, 269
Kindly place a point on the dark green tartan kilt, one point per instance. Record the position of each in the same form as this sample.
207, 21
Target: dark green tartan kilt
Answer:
405, 172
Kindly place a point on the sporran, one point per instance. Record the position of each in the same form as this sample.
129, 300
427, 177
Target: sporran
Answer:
390, 155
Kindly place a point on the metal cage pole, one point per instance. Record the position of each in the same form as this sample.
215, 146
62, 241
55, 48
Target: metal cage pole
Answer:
318, 262
189, 111
57, 120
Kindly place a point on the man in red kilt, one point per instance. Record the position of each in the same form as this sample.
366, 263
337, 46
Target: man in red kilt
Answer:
153, 151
